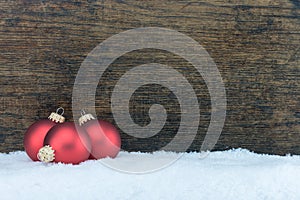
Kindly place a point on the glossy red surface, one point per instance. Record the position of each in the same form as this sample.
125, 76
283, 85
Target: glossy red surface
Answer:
70, 143
105, 138
35, 135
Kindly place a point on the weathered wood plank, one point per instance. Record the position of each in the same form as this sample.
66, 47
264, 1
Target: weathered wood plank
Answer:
255, 45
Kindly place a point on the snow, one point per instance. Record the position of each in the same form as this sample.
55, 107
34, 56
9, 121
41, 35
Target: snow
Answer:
234, 174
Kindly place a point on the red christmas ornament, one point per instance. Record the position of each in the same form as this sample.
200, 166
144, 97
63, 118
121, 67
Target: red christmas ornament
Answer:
66, 143
105, 138
35, 134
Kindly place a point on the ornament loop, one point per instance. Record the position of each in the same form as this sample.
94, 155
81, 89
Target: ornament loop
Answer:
57, 117
85, 117
60, 109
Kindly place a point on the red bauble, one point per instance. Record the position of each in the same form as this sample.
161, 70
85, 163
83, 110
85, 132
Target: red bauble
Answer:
105, 138
34, 136
70, 144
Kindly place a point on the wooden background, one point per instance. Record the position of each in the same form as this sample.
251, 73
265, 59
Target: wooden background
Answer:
255, 45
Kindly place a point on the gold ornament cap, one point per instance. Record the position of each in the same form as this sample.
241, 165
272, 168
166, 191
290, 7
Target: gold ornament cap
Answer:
85, 118
58, 118
46, 154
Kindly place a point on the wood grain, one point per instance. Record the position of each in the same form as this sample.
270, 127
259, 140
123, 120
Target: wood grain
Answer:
255, 45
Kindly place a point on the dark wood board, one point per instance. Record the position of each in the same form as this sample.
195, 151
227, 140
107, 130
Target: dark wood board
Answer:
255, 45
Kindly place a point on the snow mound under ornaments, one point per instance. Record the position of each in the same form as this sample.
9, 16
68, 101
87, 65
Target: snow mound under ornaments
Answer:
234, 174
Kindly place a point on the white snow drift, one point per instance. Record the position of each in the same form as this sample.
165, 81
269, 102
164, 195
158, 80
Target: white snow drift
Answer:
235, 174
